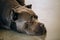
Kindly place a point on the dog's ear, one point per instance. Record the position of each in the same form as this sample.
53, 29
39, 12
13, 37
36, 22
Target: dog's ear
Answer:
14, 15
29, 6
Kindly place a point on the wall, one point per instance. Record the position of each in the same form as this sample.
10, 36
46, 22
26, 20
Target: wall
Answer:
48, 12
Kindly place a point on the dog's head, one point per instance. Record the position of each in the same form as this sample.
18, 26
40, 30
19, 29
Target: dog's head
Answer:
28, 22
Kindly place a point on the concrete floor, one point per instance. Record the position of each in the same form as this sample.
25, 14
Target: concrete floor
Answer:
11, 35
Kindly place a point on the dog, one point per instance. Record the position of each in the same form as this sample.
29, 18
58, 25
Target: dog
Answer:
25, 22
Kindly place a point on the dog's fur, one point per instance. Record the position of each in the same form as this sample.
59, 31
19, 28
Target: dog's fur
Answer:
25, 21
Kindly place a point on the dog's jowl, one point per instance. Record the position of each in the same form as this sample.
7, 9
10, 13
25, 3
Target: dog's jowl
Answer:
20, 18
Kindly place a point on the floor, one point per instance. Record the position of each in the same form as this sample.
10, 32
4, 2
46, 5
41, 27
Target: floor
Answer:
11, 35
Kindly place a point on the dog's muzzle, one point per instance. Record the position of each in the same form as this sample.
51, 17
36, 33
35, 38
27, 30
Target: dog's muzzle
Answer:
36, 29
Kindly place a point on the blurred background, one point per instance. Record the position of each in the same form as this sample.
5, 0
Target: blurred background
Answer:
48, 12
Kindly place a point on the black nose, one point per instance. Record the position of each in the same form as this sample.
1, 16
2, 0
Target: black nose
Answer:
41, 29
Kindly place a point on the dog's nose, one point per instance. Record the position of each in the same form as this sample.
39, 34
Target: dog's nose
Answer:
41, 29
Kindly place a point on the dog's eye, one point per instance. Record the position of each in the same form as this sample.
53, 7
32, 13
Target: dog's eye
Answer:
15, 16
34, 16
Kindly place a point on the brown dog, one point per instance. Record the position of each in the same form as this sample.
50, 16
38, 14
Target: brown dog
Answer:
25, 21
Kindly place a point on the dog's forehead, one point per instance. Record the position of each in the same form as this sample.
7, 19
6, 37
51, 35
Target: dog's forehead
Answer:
29, 11
26, 14
24, 8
